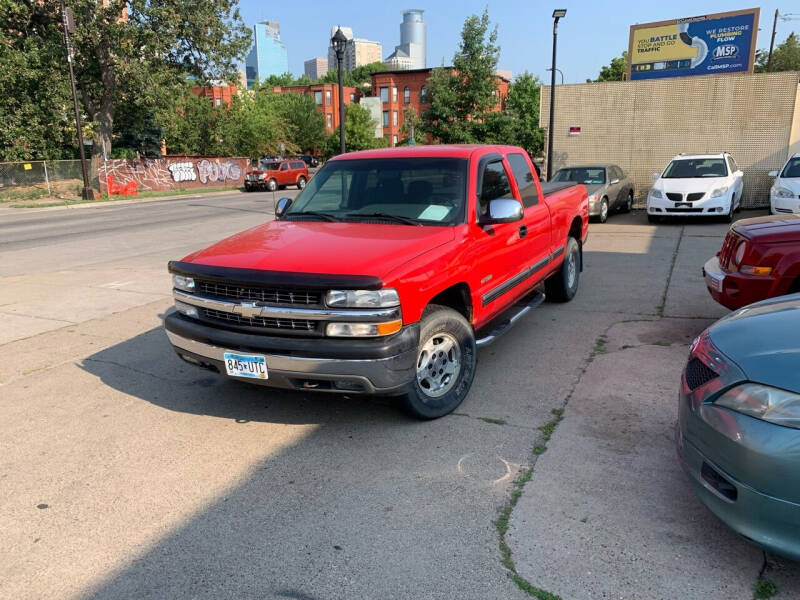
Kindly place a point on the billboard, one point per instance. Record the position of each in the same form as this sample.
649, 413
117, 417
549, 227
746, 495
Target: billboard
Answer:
705, 45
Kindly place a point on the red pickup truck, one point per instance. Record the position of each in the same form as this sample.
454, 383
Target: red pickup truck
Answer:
384, 275
759, 259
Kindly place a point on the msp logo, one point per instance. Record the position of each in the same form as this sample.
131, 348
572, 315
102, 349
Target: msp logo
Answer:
725, 51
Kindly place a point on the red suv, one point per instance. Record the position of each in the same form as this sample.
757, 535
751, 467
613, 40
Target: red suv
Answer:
273, 174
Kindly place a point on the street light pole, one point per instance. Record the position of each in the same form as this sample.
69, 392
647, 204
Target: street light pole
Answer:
772, 41
560, 73
339, 41
69, 26
557, 14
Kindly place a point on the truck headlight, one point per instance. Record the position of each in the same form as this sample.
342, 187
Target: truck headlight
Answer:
656, 194
720, 191
363, 329
183, 283
763, 402
384, 298
782, 192
261, 175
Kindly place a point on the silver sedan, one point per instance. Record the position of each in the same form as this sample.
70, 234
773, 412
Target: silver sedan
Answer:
610, 189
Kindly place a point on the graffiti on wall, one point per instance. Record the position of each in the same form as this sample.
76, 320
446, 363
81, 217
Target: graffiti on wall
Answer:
145, 174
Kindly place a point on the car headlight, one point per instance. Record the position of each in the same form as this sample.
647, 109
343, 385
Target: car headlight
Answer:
720, 191
763, 402
782, 192
261, 175
183, 283
656, 194
363, 329
363, 298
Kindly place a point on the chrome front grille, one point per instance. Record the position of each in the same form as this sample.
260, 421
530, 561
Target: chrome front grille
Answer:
256, 294
265, 322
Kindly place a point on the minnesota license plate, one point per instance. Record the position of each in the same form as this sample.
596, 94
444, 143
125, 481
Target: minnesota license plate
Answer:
246, 365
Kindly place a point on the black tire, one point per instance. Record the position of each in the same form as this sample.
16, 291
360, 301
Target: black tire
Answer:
441, 326
248, 188
603, 216
739, 206
301, 183
563, 285
272, 185
628, 203
728, 218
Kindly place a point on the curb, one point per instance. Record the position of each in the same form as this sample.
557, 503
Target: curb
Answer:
121, 202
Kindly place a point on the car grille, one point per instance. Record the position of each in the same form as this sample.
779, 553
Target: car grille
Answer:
694, 197
675, 197
257, 294
697, 374
267, 323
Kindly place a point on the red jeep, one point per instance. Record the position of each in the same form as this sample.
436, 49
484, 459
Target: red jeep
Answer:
759, 259
274, 174
384, 275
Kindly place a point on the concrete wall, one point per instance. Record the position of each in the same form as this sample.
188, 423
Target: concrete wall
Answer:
127, 176
641, 125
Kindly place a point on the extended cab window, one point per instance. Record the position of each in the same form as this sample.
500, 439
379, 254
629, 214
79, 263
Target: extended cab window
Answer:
524, 177
494, 184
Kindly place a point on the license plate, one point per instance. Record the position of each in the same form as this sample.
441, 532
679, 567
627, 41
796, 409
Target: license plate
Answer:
683, 205
246, 365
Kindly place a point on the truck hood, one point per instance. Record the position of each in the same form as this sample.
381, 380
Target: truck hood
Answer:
322, 247
778, 228
690, 185
761, 339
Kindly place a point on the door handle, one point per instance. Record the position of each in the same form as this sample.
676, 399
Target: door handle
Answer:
523, 231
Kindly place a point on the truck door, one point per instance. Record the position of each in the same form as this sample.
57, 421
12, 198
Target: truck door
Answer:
537, 242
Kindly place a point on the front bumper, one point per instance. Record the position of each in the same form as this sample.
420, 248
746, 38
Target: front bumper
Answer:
368, 366
781, 205
734, 290
705, 207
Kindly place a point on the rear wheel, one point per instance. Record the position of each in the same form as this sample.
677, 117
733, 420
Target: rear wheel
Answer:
604, 210
301, 183
628, 203
563, 285
272, 185
445, 364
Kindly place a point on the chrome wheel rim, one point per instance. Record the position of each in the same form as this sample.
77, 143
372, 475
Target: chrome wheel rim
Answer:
301, 184
572, 269
438, 365
604, 211
630, 202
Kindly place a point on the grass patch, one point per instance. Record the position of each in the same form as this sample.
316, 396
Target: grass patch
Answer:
548, 428
599, 346
493, 421
538, 449
179, 192
764, 588
662, 343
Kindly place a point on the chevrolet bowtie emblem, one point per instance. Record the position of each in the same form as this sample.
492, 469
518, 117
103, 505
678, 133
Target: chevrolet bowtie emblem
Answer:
247, 309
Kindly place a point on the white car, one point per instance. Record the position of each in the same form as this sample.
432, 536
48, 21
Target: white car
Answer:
784, 195
696, 185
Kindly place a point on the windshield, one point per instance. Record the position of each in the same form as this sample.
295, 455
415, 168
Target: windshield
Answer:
587, 175
792, 168
425, 190
268, 165
691, 168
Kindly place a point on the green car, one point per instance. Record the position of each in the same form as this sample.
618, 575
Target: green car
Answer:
738, 433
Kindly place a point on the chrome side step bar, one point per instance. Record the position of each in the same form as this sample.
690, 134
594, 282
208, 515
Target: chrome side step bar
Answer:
503, 323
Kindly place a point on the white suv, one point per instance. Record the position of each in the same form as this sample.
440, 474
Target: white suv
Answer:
701, 185
784, 196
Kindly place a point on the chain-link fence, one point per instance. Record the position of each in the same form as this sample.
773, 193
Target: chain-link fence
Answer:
39, 179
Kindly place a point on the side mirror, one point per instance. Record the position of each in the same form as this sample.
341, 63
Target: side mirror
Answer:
656, 175
613, 181
503, 210
281, 206
773, 173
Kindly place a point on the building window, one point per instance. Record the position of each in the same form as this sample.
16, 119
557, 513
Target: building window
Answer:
217, 101
394, 93
352, 98
423, 94
386, 118
330, 120
318, 98
394, 140
394, 118
384, 94
406, 95
328, 97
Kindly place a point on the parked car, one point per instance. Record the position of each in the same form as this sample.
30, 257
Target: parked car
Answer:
738, 435
784, 196
309, 159
274, 174
608, 186
384, 275
699, 185
759, 259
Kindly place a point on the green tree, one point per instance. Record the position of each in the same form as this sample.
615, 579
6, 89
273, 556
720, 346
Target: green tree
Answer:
785, 56
359, 132
462, 97
304, 125
523, 104
411, 119
615, 71
279, 80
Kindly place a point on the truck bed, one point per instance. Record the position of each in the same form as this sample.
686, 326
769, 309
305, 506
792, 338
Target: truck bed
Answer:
551, 187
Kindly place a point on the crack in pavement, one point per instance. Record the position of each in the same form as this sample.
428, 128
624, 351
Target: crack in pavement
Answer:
662, 306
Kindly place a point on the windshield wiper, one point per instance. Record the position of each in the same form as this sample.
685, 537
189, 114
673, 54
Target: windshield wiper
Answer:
388, 216
314, 213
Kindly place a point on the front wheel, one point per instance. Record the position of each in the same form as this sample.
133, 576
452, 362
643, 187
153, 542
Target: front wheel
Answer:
272, 185
446, 362
628, 203
301, 183
563, 285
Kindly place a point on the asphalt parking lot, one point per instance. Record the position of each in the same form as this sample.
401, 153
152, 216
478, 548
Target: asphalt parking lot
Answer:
128, 474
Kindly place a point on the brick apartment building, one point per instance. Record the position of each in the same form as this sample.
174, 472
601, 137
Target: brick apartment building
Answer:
399, 90
326, 97
217, 94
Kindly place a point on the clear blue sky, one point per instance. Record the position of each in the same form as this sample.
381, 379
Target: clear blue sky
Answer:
590, 35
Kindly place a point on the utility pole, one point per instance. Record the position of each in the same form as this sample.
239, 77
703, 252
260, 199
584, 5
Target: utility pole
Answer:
69, 27
772, 41
559, 13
